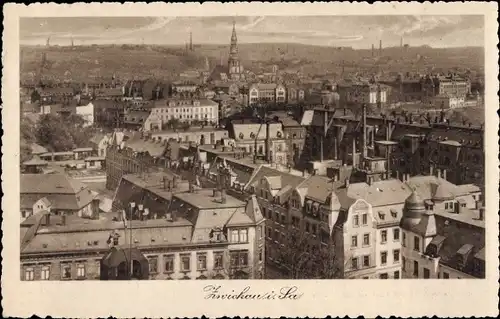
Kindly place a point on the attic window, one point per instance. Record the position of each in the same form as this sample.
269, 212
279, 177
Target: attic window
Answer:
96, 242
44, 245
136, 240
153, 240
381, 215
394, 213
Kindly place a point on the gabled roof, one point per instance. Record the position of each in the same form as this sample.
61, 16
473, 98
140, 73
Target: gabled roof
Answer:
50, 184
252, 209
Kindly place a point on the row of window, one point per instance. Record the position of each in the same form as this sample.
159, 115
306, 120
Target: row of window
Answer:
386, 275
364, 220
237, 259
366, 240
66, 271
395, 235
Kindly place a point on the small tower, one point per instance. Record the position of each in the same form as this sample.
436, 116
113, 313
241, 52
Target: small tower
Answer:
413, 210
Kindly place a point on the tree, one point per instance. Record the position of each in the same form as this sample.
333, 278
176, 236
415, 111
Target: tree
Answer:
59, 133
300, 258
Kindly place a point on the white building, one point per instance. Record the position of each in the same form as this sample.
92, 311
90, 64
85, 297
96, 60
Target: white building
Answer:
187, 110
87, 112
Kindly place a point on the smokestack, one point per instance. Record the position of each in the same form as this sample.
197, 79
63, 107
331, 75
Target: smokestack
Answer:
223, 196
191, 41
380, 48
95, 208
373, 50
401, 42
364, 131
481, 213
354, 152
268, 144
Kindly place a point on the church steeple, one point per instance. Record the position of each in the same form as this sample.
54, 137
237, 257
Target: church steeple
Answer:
234, 65
234, 39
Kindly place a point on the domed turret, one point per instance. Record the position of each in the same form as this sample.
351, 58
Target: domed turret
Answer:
412, 211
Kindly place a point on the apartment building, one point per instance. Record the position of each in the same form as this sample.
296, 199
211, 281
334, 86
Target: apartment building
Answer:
179, 230
266, 93
440, 242
185, 110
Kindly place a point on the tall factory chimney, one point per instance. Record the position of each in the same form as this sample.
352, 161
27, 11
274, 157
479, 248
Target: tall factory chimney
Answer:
364, 132
380, 48
401, 42
190, 41
373, 50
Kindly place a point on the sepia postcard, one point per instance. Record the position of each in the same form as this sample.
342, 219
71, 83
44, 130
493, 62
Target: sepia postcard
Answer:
250, 159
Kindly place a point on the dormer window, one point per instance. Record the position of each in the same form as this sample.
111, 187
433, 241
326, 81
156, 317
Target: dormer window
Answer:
394, 213
381, 215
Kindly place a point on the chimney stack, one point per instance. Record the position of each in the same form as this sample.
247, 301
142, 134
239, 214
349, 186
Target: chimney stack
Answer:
380, 48
223, 196
481, 213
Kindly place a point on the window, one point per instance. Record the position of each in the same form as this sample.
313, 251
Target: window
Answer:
384, 236
260, 231
354, 242
395, 234
169, 263
366, 261
415, 268
403, 264
66, 271
446, 275
355, 220
218, 260
239, 258
234, 236
261, 255
185, 263
80, 270
404, 240
426, 273
243, 235
383, 257
396, 255
45, 274
29, 274
366, 239
202, 262
396, 274
416, 243
354, 262
384, 276
365, 219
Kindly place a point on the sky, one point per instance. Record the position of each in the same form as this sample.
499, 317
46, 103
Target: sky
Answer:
353, 31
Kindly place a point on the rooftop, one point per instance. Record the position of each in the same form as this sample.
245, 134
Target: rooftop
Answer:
203, 199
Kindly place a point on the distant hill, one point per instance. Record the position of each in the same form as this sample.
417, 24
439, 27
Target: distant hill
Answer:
126, 61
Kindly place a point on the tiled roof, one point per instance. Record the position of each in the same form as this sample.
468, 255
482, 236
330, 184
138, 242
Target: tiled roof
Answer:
456, 236
380, 193
430, 187
37, 149
137, 143
156, 236
53, 183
